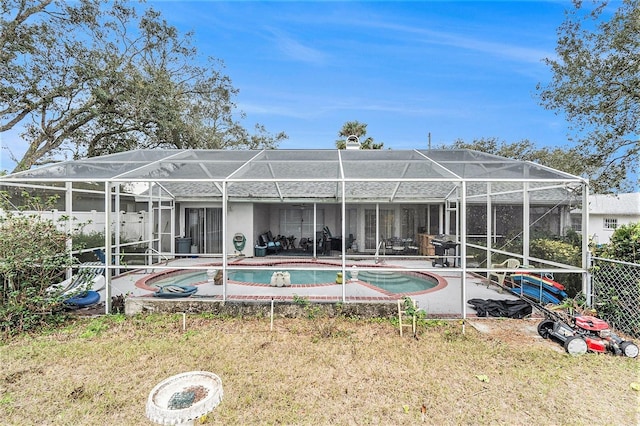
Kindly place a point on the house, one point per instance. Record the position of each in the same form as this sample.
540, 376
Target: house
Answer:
610, 211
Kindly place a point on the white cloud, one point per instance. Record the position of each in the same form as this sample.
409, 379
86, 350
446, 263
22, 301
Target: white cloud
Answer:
296, 50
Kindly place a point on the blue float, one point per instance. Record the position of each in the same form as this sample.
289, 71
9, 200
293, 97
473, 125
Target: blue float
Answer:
539, 288
85, 298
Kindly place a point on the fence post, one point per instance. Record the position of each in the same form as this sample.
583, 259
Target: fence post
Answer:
587, 282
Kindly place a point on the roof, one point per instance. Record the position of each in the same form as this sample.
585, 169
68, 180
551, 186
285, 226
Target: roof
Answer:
615, 204
367, 175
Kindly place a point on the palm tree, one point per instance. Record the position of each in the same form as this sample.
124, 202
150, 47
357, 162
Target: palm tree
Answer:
355, 128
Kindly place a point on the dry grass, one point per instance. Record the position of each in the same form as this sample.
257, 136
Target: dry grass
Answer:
100, 371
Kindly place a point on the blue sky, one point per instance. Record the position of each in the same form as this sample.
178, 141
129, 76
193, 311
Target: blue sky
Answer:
463, 70
458, 70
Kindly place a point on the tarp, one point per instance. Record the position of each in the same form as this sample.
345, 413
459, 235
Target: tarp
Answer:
501, 308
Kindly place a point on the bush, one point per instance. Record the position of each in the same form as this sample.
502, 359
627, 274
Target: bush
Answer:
617, 285
624, 244
32, 258
82, 241
569, 253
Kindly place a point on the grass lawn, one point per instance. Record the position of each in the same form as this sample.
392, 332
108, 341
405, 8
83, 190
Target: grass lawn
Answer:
100, 371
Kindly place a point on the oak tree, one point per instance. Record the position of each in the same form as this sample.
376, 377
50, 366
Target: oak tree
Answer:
92, 77
596, 84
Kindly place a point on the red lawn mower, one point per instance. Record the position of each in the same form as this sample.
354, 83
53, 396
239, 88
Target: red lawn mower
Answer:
586, 333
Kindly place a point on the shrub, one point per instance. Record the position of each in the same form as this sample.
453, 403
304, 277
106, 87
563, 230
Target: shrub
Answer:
32, 257
82, 241
624, 244
569, 253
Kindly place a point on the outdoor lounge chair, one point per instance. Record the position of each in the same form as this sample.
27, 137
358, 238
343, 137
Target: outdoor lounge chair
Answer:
507, 264
266, 240
89, 277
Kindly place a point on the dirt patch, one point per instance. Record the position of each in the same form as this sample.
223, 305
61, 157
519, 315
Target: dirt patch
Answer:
512, 331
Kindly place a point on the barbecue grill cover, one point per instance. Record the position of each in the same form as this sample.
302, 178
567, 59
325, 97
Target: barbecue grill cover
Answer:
501, 308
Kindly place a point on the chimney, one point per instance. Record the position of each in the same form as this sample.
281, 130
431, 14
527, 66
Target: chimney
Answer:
353, 142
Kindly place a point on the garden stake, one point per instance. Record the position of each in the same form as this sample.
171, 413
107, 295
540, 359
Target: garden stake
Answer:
272, 314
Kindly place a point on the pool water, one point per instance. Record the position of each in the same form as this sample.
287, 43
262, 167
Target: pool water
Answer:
189, 278
397, 282
297, 277
392, 282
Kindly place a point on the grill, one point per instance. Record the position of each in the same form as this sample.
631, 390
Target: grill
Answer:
444, 247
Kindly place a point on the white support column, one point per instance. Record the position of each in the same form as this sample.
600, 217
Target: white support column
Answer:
225, 206
490, 226
172, 225
159, 228
343, 247
377, 245
150, 218
587, 287
526, 218
149, 224
462, 215
313, 232
68, 202
117, 228
447, 218
107, 246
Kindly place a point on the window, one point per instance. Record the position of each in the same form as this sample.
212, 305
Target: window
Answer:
407, 226
610, 223
432, 219
576, 224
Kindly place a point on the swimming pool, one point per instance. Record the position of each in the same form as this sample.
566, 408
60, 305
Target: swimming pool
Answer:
398, 282
388, 281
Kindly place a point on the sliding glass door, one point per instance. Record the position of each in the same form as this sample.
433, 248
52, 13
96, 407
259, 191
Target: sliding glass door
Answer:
204, 227
387, 227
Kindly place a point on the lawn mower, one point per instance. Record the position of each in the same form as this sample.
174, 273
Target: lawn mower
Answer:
586, 333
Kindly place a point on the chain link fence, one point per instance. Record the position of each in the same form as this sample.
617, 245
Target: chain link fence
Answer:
616, 294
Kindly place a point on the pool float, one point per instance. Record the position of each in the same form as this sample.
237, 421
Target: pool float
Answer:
552, 285
85, 298
172, 291
534, 293
539, 288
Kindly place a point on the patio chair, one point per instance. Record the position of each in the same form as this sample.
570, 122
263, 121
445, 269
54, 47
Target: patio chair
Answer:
507, 264
397, 245
350, 241
266, 240
305, 243
323, 244
327, 232
90, 276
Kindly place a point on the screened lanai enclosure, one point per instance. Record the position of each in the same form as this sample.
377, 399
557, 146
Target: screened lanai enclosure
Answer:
452, 217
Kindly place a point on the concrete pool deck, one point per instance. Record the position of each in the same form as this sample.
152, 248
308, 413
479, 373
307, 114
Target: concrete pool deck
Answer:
444, 301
